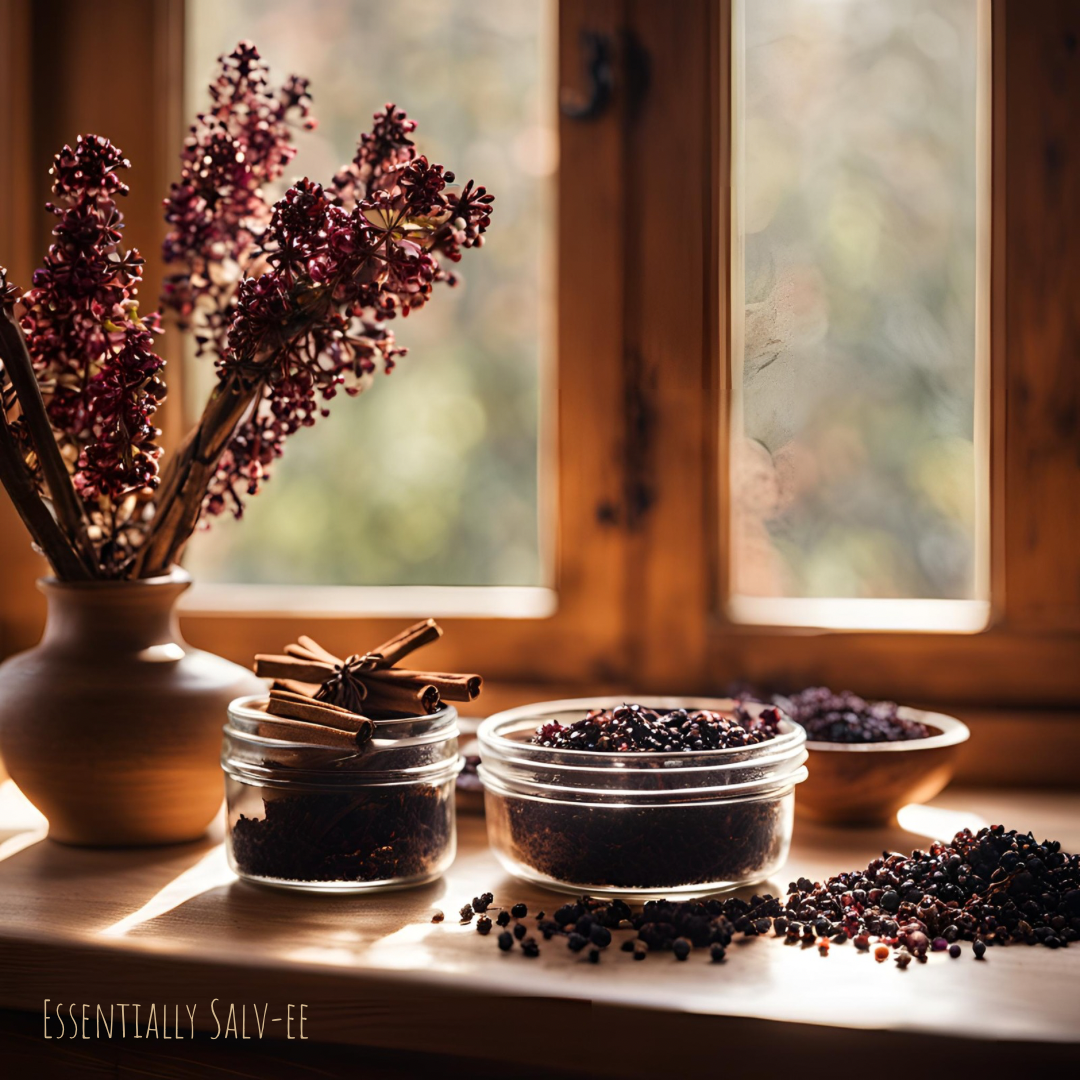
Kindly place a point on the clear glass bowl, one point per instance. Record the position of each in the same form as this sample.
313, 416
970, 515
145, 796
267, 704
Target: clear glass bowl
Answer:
640, 824
312, 817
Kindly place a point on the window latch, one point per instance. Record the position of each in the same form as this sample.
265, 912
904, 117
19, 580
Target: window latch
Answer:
597, 52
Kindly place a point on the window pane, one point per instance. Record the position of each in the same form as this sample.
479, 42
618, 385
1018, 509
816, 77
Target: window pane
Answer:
431, 476
857, 470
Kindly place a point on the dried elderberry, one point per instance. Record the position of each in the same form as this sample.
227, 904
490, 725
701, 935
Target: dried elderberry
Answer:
992, 887
506, 941
847, 718
637, 728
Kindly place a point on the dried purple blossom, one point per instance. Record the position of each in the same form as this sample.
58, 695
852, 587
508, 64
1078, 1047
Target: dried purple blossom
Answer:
293, 299
92, 352
342, 263
217, 209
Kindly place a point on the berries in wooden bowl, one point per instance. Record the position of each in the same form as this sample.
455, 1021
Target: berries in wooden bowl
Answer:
868, 759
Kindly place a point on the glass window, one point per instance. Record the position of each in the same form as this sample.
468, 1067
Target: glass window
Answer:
431, 477
859, 466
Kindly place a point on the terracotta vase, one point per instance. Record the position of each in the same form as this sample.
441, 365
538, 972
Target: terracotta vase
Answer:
111, 725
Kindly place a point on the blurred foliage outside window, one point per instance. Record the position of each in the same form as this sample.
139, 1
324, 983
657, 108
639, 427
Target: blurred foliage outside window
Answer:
431, 476
854, 471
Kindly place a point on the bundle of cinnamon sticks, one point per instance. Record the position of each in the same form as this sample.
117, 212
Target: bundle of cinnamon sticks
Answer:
333, 702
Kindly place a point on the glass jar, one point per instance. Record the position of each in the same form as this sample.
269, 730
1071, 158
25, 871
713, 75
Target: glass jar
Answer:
315, 817
644, 823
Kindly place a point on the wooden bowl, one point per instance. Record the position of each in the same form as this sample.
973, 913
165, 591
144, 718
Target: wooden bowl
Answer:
867, 783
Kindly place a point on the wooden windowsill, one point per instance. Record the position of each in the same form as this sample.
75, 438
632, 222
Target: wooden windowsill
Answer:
173, 926
370, 601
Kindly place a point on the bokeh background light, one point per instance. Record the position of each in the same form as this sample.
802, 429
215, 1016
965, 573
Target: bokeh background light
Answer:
854, 459
432, 476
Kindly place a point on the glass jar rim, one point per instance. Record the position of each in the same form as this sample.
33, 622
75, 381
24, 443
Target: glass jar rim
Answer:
766, 788
434, 773
435, 727
424, 751
494, 741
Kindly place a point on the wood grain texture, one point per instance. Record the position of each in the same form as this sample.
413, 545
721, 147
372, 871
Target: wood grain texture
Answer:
674, 263
21, 608
173, 926
1042, 227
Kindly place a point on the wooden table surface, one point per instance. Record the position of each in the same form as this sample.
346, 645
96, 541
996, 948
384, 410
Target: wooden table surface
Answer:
173, 926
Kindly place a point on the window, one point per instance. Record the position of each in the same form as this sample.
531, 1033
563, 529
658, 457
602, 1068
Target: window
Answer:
431, 478
860, 472
657, 368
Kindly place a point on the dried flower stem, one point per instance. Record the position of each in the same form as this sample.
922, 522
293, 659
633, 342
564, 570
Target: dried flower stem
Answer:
72, 522
189, 473
47, 535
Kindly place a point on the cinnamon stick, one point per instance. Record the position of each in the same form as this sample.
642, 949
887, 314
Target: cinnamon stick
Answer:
303, 689
307, 677
307, 649
314, 734
451, 687
297, 707
402, 699
268, 666
289, 694
410, 639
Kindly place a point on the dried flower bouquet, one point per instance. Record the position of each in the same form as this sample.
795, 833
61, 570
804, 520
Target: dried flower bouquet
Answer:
293, 300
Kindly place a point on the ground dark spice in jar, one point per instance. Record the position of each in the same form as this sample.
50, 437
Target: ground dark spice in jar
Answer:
845, 717
374, 835
641, 847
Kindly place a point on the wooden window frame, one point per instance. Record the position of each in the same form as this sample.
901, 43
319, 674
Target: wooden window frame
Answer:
643, 373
